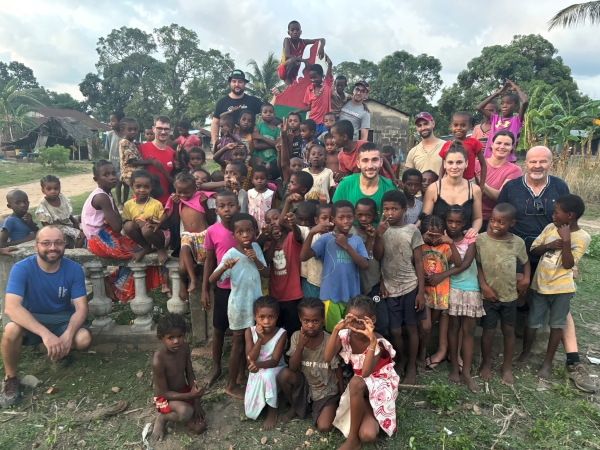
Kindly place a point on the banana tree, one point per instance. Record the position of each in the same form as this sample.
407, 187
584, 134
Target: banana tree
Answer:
14, 104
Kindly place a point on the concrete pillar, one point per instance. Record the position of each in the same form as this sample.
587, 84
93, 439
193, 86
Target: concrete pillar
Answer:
175, 303
142, 304
100, 305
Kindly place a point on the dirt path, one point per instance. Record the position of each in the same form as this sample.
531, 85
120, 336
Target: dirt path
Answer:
591, 226
70, 186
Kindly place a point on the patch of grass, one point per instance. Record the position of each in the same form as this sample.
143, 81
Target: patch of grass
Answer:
17, 173
585, 183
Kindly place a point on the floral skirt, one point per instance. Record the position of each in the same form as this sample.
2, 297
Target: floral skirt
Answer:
465, 303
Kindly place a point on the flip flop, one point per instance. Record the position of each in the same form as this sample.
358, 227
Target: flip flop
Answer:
428, 366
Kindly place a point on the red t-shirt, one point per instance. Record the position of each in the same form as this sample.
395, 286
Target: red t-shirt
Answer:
284, 283
472, 147
348, 161
165, 157
321, 105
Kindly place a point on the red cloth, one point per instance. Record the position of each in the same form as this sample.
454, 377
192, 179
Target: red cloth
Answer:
472, 147
284, 284
348, 161
165, 157
292, 96
191, 141
384, 360
321, 105
162, 405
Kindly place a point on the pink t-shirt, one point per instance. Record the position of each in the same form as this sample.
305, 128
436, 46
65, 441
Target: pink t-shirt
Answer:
321, 105
512, 124
219, 239
191, 141
495, 178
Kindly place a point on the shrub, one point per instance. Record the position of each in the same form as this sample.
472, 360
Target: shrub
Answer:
582, 182
54, 157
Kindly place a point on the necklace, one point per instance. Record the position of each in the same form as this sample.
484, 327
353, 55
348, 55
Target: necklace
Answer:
141, 210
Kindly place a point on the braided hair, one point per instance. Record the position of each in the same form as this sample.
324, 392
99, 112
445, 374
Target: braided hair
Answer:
431, 221
311, 303
266, 302
364, 303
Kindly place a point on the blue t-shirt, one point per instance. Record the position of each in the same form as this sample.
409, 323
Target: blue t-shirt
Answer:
16, 227
340, 280
46, 293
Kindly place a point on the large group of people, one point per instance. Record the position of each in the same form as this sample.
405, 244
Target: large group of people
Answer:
318, 249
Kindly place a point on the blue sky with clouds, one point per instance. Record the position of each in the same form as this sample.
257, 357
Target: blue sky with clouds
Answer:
57, 38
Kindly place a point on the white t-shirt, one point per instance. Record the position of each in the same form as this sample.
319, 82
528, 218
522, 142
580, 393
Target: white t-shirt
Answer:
322, 182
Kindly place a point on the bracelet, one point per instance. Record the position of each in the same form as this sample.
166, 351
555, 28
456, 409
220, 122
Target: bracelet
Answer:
372, 349
263, 267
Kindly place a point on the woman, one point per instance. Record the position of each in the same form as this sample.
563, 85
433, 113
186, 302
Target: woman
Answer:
499, 171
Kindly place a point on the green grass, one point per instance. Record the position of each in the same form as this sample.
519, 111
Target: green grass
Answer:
17, 173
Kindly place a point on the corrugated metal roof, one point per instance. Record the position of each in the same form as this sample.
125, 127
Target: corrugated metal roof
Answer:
68, 116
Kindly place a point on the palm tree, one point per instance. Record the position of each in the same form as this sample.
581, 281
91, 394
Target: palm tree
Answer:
13, 107
576, 14
264, 78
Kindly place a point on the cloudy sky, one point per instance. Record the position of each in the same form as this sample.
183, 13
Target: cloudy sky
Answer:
57, 38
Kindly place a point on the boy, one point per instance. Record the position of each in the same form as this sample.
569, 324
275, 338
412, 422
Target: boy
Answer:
342, 255
308, 131
317, 97
560, 246
339, 96
429, 177
412, 181
186, 141
129, 155
197, 158
399, 248
176, 395
497, 254
328, 120
19, 227
113, 137
293, 125
293, 50
295, 180
389, 153
149, 134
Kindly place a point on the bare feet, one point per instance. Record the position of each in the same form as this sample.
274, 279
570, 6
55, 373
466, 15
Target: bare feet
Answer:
507, 377
191, 285
410, 377
421, 366
485, 372
545, 371
242, 379
466, 378
196, 426
351, 444
212, 377
183, 291
288, 416
454, 376
166, 290
270, 420
138, 256
522, 361
236, 392
162, 256
158, 431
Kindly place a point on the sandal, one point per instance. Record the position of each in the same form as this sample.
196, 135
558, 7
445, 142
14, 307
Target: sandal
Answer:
432, 365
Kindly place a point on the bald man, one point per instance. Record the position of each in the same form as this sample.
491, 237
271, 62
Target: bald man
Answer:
45, 302
533, 196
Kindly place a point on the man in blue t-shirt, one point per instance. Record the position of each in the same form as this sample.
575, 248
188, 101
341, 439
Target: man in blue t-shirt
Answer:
45, 302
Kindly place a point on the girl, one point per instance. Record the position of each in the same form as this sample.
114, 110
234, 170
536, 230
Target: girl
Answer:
481, 131
129, 155
309, 379
266, 134
247, 129
323, 184
438, 252
197, 158
55, 209
140, 213
260, 198
264, 351
369, 401
465, 304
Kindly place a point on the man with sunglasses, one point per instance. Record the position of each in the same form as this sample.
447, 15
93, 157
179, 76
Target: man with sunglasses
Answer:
533, 197
356, 111
45, 302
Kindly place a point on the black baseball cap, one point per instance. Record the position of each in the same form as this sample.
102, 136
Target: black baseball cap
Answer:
364, 84
237, 75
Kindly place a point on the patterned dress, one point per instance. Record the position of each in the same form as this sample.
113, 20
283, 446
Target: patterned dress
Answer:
437, 260
58, 216
258, 205
382, 385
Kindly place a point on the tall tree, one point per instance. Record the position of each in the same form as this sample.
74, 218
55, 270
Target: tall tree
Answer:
576, 14
354, 72
14, 108
15, 69
263, 78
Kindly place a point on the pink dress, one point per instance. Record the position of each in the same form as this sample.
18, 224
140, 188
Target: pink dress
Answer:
382, 385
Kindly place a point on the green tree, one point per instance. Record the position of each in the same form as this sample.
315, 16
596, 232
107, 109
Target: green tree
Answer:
15, 69
576, 14
263, 78
362, 70
14, 106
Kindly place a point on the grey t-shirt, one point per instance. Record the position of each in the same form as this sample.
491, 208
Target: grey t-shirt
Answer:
398, 265
412, 212
112, 145
357, 115
371, 276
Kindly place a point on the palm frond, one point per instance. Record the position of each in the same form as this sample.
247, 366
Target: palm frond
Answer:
576, 14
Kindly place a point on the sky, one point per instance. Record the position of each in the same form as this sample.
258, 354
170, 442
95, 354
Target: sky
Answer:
57, 39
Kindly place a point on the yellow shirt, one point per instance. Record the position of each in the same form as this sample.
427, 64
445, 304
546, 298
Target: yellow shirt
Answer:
422, 160
151, 210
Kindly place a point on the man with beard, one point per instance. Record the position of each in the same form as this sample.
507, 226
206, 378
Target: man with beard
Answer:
356, 112
235, 101
45, 302
533, 197
425, 155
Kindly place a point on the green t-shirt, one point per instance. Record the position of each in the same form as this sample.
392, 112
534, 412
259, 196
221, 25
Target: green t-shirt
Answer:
349, 189
269, 154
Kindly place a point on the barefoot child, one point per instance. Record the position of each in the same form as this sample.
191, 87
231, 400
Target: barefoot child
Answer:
176, 395
497, 254
265, 343
55, 209
129, 156
323, 182
412, 181
293, 50
243, 265
309, 379
369, 402
560, 247
113, 138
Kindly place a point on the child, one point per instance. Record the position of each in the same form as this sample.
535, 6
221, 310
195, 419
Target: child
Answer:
176, 395
293, 125
197, 158
130, 157
267, 134
260, 198
328, 120
113, 138
429, 177
412, 181
149, 134
228, 135
243, 265
460, 125
481, 131
465, 304
369, 401
308, 131
19, 227
295, 180
246, 129
331, 162
323, 182
339, 96
509, 102
317, 97
236, 174
560, 247
265, 343
309, 379
140, 214
293, 50
55, 209
389, 153
497, 254
398, 247
342, 255
186, 141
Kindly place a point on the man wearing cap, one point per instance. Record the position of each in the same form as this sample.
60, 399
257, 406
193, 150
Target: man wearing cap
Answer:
424, 156
356, 112
235, 101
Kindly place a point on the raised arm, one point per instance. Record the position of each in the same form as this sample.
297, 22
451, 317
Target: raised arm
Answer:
217, 157
288, 220
522, 97
483, 104
283, 157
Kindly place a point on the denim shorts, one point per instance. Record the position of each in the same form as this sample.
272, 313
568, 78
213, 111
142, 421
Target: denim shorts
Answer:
558, 304
402, 310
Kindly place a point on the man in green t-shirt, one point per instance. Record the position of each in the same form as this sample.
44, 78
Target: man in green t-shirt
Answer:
368, 183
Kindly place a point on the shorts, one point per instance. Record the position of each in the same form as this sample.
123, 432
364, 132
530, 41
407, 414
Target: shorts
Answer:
166, 233
195, 241
465, 303
334, 312
300, 399
288, 316
221, 300
402, 310
293, 72
383, 318
506, 311
559, 305
56, 323
310, 290
162, 405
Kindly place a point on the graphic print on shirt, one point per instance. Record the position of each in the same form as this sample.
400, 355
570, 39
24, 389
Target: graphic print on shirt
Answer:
62, 292
280, 263
343, 257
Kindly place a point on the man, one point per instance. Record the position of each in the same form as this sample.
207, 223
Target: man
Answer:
424, 156
185, 139
356, 112
533, 197
235, 101
158, 156
45, 302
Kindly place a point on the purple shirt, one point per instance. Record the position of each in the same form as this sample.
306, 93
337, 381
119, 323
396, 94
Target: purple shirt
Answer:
219, 239
495, 178
512, 124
